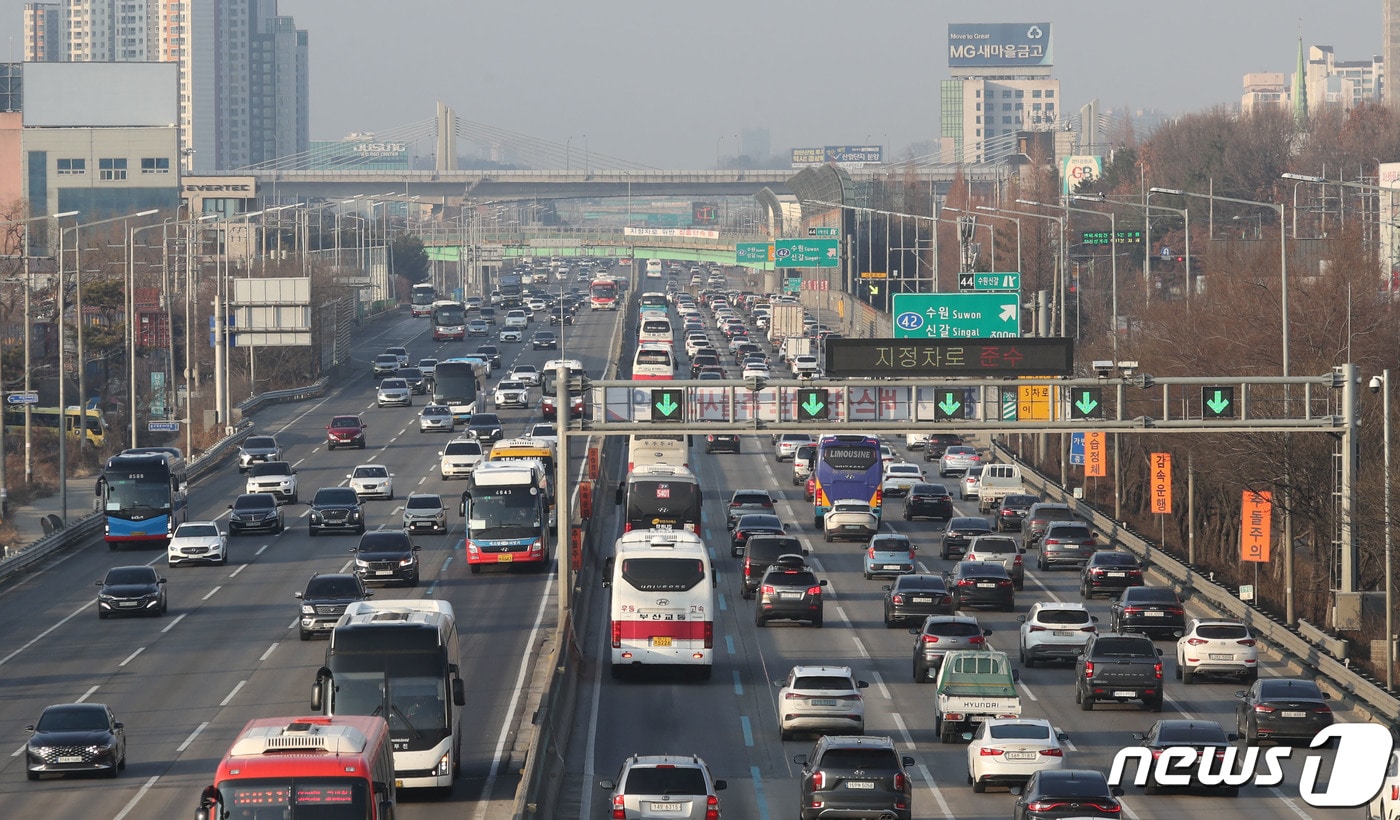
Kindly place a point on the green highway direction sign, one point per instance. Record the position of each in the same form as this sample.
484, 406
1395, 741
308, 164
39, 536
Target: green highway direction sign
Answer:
822, 232
753, 252
1218, 402
813, 404
949, 404
989, 281
956, 315
806, 253
668, 404
1086, 403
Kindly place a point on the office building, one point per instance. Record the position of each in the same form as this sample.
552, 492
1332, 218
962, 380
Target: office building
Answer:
1000, 87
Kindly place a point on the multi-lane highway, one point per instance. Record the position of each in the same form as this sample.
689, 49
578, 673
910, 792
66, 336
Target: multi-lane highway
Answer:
228, 650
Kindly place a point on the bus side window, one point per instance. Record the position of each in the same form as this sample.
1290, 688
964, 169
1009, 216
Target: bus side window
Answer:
621, 492
608, 572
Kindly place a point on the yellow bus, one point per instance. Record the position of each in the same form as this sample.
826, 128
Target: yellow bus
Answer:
529, 449
46, 418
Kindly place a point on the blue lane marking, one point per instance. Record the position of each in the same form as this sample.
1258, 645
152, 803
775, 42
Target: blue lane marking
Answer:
722, 607
760, 802
712, 555
748, 732
738, 684
729, 643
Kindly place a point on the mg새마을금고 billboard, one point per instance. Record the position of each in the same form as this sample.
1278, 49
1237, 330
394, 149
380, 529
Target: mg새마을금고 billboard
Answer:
1000, 45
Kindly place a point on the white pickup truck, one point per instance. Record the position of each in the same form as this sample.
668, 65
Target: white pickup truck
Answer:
997, 482
973, 686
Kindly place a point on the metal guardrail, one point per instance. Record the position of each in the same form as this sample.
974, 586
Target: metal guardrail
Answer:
89, 525
1367, 693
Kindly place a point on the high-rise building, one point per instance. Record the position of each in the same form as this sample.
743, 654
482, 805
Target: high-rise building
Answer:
1000, 87
244, 76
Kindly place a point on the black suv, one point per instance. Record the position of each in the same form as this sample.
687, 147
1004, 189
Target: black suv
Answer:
845, 775
928, 501
338, 509
254, 511
1012, 511
485, 428
1109, 571
759, 554
753, 524
789, 591
959, 533
1154, 611
1039, 516
938, 443
385, 556
744, 502
492, 355
324, 601
722, 442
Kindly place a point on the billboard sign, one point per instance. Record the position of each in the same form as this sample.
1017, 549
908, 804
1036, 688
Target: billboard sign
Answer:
1388, 179
808, 157
1077, 170
854, 156
986, 45
806, 253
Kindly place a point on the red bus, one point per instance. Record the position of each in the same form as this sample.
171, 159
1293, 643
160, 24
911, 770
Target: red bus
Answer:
602, 295
305, 767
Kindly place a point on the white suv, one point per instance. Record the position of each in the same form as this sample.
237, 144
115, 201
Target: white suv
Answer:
516, 319
275, 477
1216, 647
460, 457
1055, 631
821, 699
424, 511
678, 786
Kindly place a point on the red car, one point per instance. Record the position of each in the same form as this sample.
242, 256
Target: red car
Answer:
811, 488
345, 431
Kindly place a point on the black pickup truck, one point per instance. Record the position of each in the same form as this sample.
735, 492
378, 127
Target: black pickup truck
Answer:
1119, 667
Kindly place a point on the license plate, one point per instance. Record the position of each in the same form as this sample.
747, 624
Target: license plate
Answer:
923, 600
1221, 656
1021, 755
126, 603
890, 566
1155, 614
1127, 693
823, 702
852, 527
792, 595
661, 640
869, 785
70, 759
668, 807
1294, 714
504, 558
384, 572
986, 586
1118, 575
1062, 633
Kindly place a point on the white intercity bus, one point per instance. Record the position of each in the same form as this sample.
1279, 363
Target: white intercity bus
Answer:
663, 602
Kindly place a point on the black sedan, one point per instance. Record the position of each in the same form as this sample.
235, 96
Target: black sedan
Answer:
928, 501
1012, 511
982, 584
1109, 572
385, 556
915, 597
722, 443
133, 590
417, 382
702, 360
1205, 736
1055, 793
1284, 709
75, 737
561, 314
1154, 611
485, 428
544, 340
492, 355
959, 534
753, 524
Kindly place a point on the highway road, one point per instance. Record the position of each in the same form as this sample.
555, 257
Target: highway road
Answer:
228, 650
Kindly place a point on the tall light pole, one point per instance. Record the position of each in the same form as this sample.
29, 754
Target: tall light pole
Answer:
1113, 258
1060, 222
131, 317
717, 144
992, 212
567, 143
1381, 383
28, 362
224, 411
628, 174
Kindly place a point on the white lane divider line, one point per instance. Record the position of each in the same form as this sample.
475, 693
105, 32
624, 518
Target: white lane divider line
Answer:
241, 567
269, 652
229, 697
140, 793
210, 593
87, 694
183, 746
860, 647
262, 549
880, 684
65, 619
171, 625
132, 656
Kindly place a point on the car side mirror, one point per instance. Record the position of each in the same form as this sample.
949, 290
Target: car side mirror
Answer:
1061, 736
1232, 737
296, 595
1117, 791
822, 582
915, 630
721, 785
986, 633
1094, 618
97, 583
231, 506
1326, 695
1241, 694
607, 785
907, 761
1016, 789
347, 475
1139, 737
1021, 618
118, 725
160, 580
860, 684
800, 760
886, 587
1015, 675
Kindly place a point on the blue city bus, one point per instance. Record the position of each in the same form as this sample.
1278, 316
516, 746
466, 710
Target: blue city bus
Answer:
847, 467
143, 497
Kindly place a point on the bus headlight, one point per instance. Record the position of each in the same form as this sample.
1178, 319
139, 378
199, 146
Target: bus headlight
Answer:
537, 546
444, 766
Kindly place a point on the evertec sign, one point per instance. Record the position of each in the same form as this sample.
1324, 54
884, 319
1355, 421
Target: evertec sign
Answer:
986, 45
1357, 775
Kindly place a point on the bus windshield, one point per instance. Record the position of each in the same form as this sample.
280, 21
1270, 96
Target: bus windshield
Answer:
449, 315
297, 798
505, 512
859, 457
455, 383
416, 705
151, 493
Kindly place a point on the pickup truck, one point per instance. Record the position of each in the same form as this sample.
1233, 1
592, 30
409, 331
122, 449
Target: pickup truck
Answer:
997, 482
1118, 667
973, 686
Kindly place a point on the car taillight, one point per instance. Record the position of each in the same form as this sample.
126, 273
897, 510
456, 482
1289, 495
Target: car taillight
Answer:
741, 535
1088, 669
976, 640
711, 808
966, 582
896, 598
1132, 610
901, 783
818, 781
870, 553
814, 590
1196, 641
1052, 752
1157, 669
1175, 610
1245, 642
930, 639
709, 634
617, 634
734, 504
619, 811
1005, 582
1016, 560
1261, 709
1089, 628
987, 751
748, 570
768, 589
1324, 709
1040, 628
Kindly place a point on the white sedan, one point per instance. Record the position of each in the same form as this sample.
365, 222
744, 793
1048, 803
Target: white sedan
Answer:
372, 481
525, 373
198, 542
756, 371
900, 476
1007, 751
544, 432
851, 520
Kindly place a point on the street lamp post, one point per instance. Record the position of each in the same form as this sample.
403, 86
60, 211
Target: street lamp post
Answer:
131, 319
567, 143
992, 212
1382, 383
1060, 222
1113, 259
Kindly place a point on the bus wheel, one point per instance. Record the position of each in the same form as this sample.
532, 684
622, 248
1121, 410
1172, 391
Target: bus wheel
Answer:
476, 569
617, 670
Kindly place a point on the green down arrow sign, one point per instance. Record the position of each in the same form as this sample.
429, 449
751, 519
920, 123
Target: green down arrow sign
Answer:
949, 406
812, 404
1086, 403
1219, 402
666, 404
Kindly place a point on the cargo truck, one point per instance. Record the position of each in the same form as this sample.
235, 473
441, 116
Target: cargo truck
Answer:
973, 686
784, 321
794, 346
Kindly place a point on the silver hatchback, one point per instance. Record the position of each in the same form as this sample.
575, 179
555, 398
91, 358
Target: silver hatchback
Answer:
650, 786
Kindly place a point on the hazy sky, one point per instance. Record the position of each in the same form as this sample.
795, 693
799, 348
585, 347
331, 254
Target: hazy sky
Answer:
671, 84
